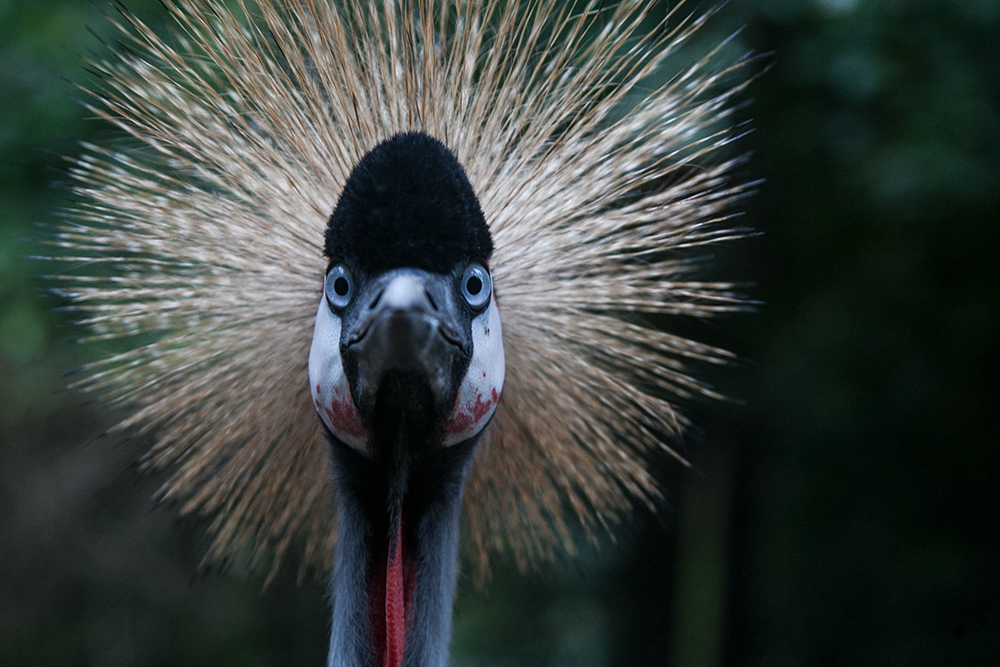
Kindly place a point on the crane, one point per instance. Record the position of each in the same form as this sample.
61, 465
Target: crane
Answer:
385, 265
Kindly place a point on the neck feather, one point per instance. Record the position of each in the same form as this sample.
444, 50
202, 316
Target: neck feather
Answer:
419, 500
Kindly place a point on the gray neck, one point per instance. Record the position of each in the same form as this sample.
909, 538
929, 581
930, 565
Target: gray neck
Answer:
431, 508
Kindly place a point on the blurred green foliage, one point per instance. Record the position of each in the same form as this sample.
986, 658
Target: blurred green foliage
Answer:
844, 514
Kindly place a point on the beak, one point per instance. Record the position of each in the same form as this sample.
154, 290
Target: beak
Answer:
408, 328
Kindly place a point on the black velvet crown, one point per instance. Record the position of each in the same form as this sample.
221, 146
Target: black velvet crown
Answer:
408, 203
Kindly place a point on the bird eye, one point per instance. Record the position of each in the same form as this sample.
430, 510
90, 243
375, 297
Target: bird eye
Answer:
339, 287
476, 285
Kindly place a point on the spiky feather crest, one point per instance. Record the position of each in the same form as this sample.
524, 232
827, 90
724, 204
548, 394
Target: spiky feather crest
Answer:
208, 238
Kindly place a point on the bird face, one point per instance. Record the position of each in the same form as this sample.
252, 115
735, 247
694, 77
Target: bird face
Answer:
408, 324
428, 341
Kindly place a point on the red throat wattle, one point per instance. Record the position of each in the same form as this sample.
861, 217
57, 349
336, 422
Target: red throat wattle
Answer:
390, 595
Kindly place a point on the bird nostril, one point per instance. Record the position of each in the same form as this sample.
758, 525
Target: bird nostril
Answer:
430, 299
378, 297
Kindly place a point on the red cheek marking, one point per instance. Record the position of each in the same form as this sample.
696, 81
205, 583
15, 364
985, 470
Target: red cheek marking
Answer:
463, 420
345, 417
459, 422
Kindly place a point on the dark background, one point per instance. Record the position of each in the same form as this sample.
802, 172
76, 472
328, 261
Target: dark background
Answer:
842, 511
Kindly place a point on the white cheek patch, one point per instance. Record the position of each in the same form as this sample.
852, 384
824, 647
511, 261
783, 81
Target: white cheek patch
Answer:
330, 391
480, 391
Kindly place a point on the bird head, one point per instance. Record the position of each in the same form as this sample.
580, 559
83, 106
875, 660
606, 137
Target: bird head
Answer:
408, 323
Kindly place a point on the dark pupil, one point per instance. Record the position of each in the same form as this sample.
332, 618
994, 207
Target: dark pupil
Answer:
475, 285
340, 286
